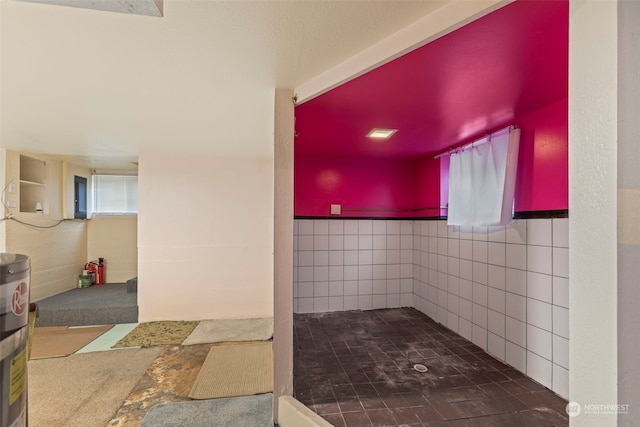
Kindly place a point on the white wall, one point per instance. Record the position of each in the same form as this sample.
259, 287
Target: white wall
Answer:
205, 237
283, 248
114, 238
628, 211
593, 48
57, 255
58, 251
3, 236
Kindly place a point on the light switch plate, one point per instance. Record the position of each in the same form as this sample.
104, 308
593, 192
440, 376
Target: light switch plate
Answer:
336, 209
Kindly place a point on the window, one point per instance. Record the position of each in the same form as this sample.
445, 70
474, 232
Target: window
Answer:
115, 194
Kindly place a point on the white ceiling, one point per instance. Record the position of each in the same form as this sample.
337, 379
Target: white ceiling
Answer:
96, 85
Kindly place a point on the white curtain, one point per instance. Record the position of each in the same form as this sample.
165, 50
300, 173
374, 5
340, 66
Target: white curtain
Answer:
482, 180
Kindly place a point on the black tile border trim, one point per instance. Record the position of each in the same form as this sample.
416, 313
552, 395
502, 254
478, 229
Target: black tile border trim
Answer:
384, 218
559, 213
548, 214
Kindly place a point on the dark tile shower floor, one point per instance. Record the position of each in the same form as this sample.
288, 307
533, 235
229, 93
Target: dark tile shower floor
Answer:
356, 368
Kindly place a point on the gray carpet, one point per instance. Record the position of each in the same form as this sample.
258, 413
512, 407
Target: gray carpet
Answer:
132, 284
96, 305
246, 411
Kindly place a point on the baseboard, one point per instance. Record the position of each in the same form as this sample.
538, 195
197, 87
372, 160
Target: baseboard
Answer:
292, 413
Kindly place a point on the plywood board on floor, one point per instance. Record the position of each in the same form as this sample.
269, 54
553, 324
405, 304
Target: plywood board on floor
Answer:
60, 341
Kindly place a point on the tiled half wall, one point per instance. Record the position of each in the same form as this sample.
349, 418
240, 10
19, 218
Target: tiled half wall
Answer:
352, 265
506, 289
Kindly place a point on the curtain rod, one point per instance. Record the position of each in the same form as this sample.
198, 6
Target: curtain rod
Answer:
486, 138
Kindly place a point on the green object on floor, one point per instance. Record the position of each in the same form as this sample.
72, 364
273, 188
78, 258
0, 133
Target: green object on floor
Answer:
84, 281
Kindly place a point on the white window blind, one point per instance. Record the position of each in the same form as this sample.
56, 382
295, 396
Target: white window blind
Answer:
482, 179
115, 194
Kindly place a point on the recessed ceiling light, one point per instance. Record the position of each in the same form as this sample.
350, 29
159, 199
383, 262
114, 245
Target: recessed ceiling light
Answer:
381, 133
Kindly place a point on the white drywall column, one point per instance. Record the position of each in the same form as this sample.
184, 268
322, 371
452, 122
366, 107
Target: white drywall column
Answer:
283, 247
3, 163
592, 204
205, 236
628, 211
3, 228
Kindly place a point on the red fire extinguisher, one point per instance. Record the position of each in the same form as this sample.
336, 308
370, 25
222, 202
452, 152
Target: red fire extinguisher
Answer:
101, 271
92, 270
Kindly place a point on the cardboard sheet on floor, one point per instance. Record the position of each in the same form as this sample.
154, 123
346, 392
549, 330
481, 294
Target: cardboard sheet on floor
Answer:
231, 330
60, 341
235, 369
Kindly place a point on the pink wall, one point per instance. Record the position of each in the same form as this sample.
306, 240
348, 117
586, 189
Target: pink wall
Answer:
354, 184
543, 167
427, 188
402, 186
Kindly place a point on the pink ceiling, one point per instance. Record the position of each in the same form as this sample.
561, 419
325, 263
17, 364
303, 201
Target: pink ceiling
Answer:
476, 79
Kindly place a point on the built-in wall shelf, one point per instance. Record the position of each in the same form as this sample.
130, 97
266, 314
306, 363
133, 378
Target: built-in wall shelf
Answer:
22, 181
33, 174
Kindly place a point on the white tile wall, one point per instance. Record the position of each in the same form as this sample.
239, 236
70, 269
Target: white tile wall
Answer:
506, 289
511, 288
352, 264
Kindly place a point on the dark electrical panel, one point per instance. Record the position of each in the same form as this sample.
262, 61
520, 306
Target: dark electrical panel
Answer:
80, 197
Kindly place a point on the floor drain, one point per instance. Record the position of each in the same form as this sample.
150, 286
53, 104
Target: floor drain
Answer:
420, 368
